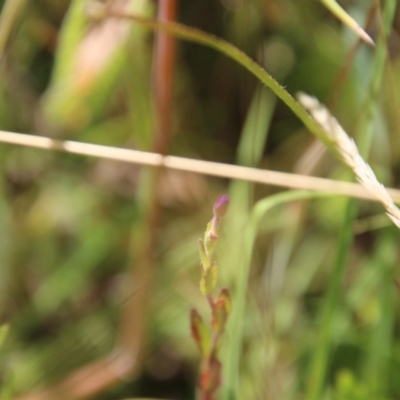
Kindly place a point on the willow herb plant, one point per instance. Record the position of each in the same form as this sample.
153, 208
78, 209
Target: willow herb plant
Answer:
208, 338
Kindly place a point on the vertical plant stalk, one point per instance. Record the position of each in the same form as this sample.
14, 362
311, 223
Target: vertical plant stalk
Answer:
320, 359
208, 340
144, 237
253, 137
164, 66
237, 323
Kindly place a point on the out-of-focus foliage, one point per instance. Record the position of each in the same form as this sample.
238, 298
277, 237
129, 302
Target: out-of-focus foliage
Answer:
66, 222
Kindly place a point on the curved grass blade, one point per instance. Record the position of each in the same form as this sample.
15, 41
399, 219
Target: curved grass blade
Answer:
249, 152
198, 36
231, 361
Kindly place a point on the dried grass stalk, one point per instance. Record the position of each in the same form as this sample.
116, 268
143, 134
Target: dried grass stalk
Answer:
348, 151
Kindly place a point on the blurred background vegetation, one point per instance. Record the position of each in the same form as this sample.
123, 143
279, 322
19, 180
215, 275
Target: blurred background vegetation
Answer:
75, 230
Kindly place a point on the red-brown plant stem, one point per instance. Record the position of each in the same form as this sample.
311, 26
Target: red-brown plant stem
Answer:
133, 324
98, 376
164, 66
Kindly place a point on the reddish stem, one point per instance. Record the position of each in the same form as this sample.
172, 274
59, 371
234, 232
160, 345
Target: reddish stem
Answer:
163, 76
207, 396
133, 321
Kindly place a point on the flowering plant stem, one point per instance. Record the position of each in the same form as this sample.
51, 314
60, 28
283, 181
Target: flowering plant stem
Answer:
208, 338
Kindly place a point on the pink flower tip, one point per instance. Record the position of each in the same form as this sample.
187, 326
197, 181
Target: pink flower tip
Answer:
221, 205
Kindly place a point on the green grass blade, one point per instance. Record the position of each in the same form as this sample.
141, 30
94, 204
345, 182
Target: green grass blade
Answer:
254, 134
250, 151
366, 124
236, 327
319, 364
71, 33
343, 16
197, 36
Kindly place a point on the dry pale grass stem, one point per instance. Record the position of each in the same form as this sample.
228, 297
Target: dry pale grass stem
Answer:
348, 151
262, 176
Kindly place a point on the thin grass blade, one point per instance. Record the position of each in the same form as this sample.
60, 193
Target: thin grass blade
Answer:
348, 20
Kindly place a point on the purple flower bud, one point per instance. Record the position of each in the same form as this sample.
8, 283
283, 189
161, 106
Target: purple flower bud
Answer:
221, 205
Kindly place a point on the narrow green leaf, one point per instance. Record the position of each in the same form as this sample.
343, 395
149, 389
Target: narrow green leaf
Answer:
72, 31
197, 36
343, 16
255, 130
232, 357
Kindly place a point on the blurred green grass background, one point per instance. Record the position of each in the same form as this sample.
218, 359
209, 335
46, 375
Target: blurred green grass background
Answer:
69, 224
